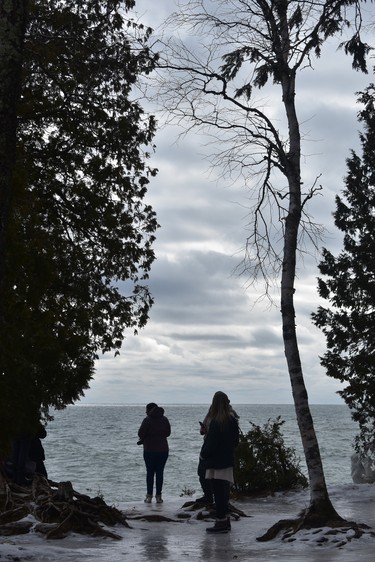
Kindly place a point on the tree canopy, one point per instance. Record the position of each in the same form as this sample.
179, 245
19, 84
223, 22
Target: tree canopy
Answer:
348, 282
13, 17
79, 242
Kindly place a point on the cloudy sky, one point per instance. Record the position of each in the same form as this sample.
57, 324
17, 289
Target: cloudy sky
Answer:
206, 331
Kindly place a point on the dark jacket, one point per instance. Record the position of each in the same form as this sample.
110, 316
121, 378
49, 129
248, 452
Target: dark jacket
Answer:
154, 431
36, 450
219, 445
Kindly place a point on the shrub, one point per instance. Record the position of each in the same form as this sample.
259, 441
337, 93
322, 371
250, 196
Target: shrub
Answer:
186, 491
263, 463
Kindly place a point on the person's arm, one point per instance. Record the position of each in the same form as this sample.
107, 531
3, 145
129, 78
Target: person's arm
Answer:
205, 425
211, 442
142, 432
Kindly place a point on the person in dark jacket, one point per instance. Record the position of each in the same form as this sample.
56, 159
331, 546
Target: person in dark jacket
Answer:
218, 454
36, 451
153, 434
27, 457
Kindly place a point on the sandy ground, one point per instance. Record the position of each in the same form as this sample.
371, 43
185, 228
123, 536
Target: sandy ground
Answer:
187, 539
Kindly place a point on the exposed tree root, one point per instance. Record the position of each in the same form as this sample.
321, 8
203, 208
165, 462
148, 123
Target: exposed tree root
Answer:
318, 519
189, 510
207, 512
57, 508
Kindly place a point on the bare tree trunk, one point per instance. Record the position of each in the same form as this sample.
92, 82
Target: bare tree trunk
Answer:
320, 511
13, 17
319, 497
318, 488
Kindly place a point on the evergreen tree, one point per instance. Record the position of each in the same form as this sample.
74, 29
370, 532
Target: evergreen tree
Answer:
79, 241
13, 18
349, 282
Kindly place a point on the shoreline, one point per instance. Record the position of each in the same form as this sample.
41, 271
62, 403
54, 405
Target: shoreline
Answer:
187, 539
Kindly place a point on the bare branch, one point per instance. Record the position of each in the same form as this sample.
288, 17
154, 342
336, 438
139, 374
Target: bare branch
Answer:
207, 81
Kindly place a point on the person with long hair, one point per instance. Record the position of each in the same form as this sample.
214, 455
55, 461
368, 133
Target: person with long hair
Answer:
218, 455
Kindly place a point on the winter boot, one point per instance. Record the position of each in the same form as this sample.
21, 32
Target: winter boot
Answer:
148, 498
158, 498
221, 526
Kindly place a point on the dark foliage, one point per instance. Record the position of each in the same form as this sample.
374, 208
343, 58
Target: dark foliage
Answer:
349, 283
79, 243
264, 464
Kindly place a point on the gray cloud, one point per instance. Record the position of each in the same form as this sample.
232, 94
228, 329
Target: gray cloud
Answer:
205, 332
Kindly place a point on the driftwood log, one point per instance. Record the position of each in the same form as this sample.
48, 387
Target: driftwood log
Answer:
57, 509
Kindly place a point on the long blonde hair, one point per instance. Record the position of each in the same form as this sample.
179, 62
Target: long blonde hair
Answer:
220, 409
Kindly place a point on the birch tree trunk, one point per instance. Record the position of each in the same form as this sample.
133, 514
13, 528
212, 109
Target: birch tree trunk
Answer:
319, 498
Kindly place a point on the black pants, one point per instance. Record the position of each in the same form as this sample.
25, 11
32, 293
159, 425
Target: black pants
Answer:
204, 482
221, 489
155, 463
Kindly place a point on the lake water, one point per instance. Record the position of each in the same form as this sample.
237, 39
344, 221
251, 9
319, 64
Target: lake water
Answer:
95, 447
